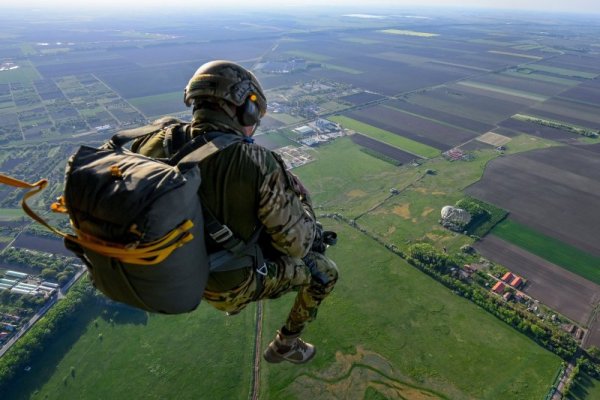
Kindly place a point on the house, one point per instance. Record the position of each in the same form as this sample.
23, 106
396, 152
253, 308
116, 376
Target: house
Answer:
507, 277
498, 288
516, 282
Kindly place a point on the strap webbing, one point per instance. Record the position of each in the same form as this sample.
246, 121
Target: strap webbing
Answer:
199, 149
125, 136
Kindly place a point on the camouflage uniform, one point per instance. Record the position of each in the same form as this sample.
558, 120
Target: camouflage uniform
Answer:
246, 186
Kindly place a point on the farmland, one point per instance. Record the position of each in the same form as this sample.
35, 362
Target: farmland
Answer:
379, 147
537, 187
554, 286
395, 140
568, 257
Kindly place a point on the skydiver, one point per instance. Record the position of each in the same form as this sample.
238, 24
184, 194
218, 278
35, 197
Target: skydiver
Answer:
248, 188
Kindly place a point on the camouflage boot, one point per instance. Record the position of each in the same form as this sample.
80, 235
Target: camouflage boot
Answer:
289, 348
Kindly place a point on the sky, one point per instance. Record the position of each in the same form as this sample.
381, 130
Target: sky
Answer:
576, 6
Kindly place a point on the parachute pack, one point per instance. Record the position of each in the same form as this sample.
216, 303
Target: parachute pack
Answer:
139, 225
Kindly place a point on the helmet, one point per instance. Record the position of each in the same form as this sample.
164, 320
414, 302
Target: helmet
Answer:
232, 83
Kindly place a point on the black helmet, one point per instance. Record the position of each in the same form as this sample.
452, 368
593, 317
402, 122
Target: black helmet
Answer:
227, 81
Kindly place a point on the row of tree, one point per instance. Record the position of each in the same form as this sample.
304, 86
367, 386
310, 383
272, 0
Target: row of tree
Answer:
57, 268
31, 345
438, 265
428, 259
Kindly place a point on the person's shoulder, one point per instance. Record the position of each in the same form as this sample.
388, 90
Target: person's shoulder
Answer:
262, 158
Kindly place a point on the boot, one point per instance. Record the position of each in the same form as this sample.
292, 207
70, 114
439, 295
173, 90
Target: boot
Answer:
289, 348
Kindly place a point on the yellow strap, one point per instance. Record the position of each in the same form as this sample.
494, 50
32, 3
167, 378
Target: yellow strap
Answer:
146, 254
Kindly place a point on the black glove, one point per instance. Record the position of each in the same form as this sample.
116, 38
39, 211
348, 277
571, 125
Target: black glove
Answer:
323, 239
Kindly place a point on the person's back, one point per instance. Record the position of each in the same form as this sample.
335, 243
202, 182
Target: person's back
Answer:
247, 189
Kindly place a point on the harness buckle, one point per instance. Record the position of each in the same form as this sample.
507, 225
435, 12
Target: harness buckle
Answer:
222, 235
262, 270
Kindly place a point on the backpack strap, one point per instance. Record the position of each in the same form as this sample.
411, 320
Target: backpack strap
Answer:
236, 253
176, 136
199, 148
123, 137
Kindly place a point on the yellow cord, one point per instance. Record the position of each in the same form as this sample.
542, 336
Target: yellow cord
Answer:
144, 254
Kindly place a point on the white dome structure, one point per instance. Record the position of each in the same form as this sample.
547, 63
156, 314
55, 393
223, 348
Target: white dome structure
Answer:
456, 216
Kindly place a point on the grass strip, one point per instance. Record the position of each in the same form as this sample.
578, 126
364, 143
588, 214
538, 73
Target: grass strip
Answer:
387, 137
550, 249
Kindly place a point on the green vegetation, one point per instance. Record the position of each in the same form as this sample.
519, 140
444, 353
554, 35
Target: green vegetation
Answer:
562, 71
553, 250
10, 214
309, 55
360, 40
409, 33
103, 349
503, 90
485, 215
333, 106
43, 333
387, 137
141, 102
405, 331
25, 73
491, 42
527, 73
286, 118
277, 139
57, 268
342, 68
380, 156
584, 387
587, 132
508, 53
365, 180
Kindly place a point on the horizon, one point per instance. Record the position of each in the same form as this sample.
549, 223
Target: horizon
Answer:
583, 7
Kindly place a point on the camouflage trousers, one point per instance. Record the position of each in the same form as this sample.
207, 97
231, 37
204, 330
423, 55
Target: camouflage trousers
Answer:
311, 282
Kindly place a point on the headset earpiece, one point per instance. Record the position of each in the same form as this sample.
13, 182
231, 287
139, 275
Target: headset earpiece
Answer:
248, 113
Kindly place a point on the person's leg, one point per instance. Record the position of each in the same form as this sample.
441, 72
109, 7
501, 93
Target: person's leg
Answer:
323, 276
287, 345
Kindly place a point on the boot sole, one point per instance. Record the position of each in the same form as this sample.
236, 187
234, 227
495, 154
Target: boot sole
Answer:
271, 356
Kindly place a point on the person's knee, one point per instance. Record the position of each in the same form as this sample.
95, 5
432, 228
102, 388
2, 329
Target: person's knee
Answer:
327, 270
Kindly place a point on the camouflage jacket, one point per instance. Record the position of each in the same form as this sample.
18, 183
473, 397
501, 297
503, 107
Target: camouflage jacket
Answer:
246, 185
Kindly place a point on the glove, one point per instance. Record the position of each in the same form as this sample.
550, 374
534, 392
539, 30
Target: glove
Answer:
323, 239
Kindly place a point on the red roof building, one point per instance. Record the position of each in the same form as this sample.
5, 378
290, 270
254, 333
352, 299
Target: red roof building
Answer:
498, 288
508, 277
518, 281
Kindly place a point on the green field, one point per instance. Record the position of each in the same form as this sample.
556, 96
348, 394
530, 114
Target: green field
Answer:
585, 387
275, 140
285, 118
389, 327
525, 73
160, 104
25, 73
521, 55
342, 69
502, 90
9, 214
562, 71
553, 250
349, 180
309, 55
390, 138
409, 33
194, 356
360, 40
